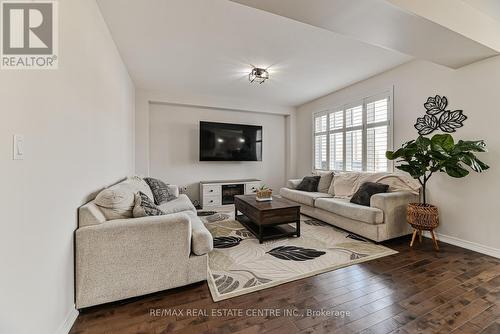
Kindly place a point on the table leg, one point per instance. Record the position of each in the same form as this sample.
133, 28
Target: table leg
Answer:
298, 228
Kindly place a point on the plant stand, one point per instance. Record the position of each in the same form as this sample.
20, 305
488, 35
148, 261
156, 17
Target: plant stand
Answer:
423, 217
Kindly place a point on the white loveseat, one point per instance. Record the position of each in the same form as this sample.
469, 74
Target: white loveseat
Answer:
384, 219
128, 257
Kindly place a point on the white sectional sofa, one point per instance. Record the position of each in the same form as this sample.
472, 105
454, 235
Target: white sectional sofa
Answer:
128, 257
384, 219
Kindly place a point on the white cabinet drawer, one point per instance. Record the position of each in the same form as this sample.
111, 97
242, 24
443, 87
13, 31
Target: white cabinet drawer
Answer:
250, 188
211, 201
211, 190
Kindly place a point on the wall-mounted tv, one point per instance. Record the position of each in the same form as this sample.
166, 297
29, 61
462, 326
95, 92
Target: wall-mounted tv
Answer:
230, 142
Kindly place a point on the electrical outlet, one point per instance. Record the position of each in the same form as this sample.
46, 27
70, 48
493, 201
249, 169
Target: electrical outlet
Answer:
183, 189
18, 147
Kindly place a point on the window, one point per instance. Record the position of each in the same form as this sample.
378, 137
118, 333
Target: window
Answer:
354, 137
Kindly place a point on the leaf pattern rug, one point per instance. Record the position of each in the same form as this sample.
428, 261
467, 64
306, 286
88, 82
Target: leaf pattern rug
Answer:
239, 264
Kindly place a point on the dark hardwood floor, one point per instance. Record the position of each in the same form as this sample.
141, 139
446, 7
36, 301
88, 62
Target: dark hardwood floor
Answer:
415, 291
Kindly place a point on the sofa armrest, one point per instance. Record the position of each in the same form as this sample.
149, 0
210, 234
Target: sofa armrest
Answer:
389, 201
293, 183
394, 205
124, 257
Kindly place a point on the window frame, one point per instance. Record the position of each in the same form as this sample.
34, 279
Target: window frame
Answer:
363, 101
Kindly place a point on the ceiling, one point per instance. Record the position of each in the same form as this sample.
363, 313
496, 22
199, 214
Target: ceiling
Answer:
207, 47
392, 24
488, 7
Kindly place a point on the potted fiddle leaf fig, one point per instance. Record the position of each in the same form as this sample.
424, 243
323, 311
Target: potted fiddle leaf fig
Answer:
423, 157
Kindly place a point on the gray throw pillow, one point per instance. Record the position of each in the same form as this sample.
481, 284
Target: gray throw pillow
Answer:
144, 206
366, 191
160, 190
309, 184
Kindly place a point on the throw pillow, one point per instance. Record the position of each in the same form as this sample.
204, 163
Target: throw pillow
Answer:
366, 191
138, 184
116, 202
325, 180
144, 206
161, 191
309, 183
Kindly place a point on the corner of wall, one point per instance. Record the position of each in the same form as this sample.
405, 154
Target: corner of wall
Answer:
291, 142
68, 322
141, 133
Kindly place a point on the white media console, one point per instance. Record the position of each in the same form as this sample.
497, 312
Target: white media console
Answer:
217, 193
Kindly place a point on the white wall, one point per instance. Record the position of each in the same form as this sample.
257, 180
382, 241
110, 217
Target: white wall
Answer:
467, 206
78, 123
174, 147
145, 98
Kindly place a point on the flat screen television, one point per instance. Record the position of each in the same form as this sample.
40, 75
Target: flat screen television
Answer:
230, 142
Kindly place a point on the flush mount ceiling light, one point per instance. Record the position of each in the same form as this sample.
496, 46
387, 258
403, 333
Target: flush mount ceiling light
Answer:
258, 75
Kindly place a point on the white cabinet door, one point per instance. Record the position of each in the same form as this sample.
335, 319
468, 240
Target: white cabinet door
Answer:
212, 201
210, 190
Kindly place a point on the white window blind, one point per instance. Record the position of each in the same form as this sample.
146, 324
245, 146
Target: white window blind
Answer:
354, 137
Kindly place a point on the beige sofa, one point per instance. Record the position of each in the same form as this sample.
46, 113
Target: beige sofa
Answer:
384, 219
128, 257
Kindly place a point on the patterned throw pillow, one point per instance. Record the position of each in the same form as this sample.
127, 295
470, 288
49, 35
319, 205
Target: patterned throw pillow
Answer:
161, 192
144, 206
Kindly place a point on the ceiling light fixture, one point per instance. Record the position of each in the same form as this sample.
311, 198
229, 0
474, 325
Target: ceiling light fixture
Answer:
258, 75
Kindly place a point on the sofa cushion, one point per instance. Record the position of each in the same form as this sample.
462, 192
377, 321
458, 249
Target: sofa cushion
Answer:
309, 183
325, 180
201, 239
293, 183
161, 191
331, 189
343, 207
138, 184
180, 204
344, 184
396, 181
116, 202
302, 197
90, 214
173, 190
144, 206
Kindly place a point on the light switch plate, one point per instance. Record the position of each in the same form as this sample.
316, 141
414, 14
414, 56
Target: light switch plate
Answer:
18, 147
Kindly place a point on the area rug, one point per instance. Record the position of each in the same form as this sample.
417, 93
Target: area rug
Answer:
239, 264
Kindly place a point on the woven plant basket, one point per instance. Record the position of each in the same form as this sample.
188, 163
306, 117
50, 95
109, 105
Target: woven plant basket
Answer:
423, 217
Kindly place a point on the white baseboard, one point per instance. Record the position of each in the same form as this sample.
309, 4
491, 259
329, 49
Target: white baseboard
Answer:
68, 322
495, 252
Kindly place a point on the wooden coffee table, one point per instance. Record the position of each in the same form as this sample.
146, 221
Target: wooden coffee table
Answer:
268, 220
